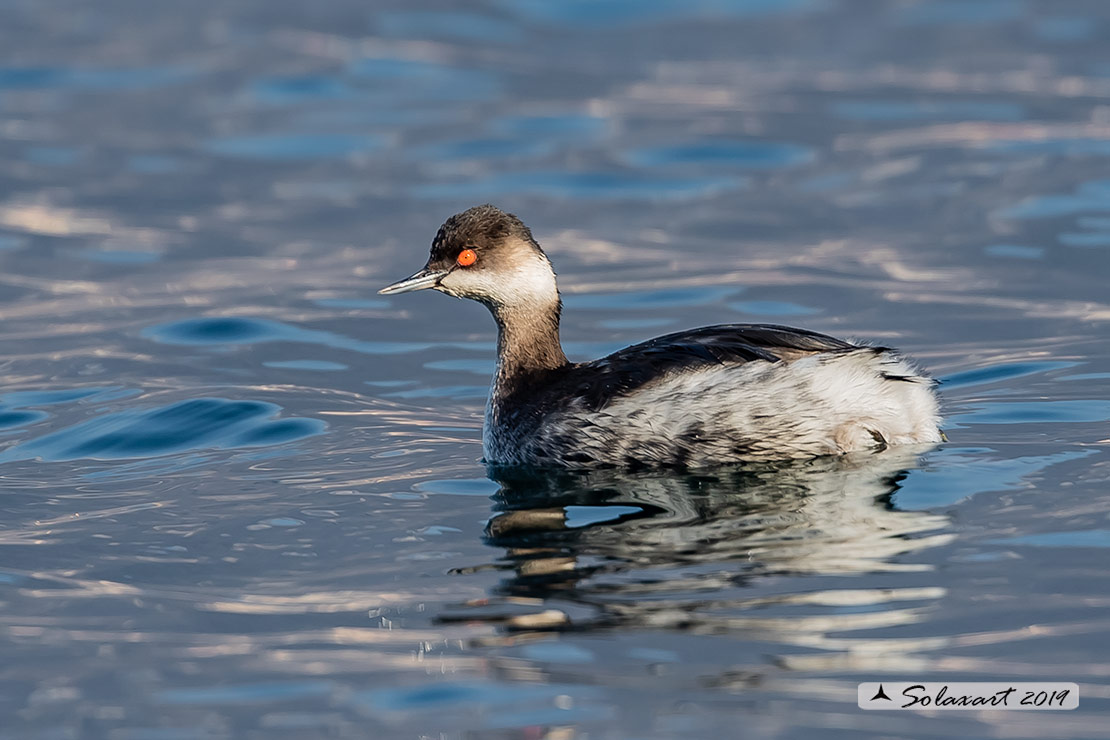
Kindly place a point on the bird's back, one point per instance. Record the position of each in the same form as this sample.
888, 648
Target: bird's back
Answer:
712, 395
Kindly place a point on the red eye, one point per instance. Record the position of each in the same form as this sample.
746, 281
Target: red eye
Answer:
467, 257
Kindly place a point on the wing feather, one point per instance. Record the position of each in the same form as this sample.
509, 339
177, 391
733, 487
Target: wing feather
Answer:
632, 367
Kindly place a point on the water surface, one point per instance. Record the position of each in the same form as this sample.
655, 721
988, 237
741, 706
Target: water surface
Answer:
242, 495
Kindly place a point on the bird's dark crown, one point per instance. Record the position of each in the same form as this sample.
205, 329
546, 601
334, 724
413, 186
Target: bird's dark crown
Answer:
485, 229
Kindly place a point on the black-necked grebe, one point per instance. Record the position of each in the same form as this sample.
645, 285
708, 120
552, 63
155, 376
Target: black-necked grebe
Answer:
729, 393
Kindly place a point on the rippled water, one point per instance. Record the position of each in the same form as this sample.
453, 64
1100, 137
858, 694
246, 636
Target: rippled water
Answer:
241, 494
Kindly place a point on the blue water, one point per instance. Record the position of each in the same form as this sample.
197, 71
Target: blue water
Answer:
242, 495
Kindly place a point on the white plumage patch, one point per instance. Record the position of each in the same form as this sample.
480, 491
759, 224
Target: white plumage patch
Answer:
523, 278
829, 403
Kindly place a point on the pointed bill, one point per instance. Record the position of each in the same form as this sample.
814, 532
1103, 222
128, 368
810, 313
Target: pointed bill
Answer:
421, 280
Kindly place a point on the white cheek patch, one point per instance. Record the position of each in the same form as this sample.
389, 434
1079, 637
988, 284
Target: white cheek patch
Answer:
530, 281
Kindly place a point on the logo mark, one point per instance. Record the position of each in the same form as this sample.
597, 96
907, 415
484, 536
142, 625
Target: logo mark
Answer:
880, 694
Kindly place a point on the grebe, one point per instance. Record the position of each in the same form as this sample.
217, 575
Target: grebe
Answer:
718, 394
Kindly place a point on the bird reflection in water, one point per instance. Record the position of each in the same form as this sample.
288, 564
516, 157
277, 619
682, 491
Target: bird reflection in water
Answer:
690, 550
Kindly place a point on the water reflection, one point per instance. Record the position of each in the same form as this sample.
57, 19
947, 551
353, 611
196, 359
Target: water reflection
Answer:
695, 552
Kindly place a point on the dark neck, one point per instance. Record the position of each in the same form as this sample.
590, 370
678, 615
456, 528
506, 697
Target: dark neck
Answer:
527, 340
